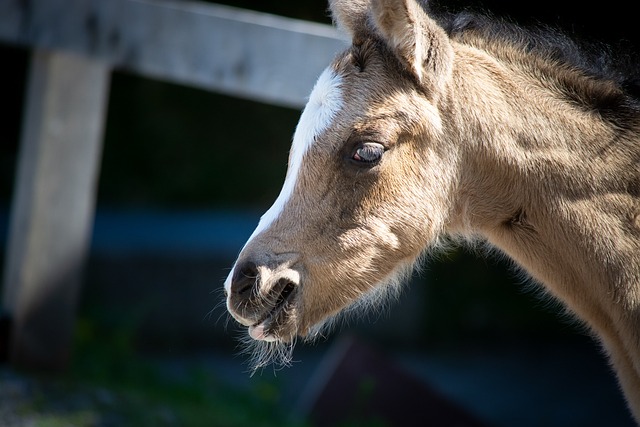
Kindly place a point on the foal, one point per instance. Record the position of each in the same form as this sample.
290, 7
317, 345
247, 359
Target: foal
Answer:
468, 128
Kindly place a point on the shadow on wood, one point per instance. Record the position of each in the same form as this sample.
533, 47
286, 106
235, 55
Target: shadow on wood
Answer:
358, 385
41, 331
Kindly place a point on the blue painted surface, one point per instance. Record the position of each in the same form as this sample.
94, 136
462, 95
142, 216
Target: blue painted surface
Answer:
219, 233
158, 232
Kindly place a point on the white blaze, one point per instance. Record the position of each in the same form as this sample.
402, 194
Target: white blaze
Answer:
324, 103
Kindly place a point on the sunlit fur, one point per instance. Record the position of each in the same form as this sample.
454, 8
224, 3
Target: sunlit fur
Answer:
484, 132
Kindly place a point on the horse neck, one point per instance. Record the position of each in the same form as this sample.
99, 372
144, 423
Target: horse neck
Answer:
553, 186
558, 190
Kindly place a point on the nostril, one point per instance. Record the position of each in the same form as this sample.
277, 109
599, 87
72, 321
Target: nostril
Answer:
244, 279
284, 288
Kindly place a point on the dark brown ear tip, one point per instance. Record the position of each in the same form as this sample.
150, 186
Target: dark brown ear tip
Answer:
349, 16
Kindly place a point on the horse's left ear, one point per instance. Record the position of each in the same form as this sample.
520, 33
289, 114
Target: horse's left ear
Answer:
418, 41
349, 15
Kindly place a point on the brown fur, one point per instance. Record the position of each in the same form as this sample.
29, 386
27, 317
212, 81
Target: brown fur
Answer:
485, 138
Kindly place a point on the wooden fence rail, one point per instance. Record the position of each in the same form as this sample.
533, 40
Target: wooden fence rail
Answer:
239, 52
76, 43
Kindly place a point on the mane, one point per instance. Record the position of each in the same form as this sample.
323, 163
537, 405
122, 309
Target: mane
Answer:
593, 76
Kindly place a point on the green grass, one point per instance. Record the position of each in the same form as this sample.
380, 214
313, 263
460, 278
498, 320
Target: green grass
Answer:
110, 384
145, 393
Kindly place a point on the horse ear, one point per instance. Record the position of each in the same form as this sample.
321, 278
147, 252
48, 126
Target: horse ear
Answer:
349, 15
419, 42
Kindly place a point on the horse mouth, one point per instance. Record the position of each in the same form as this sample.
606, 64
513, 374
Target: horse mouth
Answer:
272, 325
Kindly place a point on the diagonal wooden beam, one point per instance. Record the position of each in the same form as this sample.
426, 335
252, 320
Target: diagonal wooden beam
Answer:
220, 48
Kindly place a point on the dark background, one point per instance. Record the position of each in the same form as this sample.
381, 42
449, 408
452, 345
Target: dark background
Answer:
170, 148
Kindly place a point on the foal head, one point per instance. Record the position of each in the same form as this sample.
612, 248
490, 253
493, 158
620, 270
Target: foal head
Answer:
358, 205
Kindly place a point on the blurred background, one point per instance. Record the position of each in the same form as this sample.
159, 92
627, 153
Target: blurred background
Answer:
184, 177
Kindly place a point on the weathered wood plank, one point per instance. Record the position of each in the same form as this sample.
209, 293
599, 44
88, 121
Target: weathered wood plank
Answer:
234, 51
53, 206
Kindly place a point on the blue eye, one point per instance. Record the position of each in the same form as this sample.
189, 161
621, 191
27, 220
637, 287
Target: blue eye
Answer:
368, 153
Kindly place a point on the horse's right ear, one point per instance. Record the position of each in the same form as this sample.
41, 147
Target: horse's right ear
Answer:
349, 16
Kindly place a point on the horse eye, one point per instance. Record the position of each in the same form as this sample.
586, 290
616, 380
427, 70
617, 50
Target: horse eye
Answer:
369, 152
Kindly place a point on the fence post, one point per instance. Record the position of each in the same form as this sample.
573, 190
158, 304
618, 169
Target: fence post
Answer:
53, 205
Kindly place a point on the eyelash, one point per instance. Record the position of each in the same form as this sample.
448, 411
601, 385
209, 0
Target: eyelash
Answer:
368, 153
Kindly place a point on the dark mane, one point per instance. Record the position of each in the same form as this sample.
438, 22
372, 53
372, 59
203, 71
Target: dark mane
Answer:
593, 76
